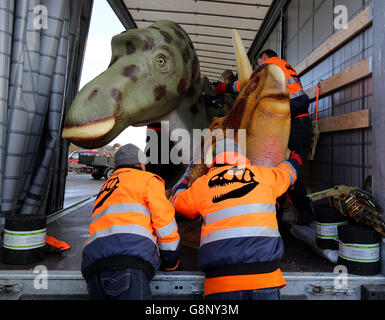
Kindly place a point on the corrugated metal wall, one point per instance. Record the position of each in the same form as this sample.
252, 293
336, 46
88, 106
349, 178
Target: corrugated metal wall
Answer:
342, 157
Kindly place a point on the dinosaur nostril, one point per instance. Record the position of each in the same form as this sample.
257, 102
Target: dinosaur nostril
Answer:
93, 93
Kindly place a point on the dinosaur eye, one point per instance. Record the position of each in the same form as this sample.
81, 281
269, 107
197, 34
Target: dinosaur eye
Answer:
161, 61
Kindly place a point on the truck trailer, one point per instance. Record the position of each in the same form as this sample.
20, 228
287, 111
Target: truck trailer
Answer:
335, 47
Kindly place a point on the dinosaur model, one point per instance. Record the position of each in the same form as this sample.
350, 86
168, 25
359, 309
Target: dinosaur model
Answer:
154, 75
262, 108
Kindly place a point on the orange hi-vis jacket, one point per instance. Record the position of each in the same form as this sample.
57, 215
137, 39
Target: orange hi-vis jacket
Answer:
294, 83
131, 225
240, 246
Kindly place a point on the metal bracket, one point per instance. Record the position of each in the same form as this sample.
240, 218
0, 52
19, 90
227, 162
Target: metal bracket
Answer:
329, 289
10, 287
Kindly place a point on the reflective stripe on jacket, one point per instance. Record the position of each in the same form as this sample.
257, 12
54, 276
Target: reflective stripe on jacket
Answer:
132, 217
239, 237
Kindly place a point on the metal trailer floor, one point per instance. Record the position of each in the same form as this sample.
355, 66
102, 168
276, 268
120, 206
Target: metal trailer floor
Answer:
308, 275
72, 226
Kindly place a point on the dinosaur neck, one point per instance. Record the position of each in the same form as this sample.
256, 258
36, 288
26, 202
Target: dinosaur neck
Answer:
189, 115
178, 126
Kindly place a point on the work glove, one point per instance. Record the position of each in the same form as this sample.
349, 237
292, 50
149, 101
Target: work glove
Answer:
294, 155
181, 186
220, 88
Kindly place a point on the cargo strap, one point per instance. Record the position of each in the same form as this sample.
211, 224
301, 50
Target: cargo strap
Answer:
316, 132
55, 246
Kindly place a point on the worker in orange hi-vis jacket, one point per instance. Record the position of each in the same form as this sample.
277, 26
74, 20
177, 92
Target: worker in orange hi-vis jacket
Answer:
301, 126
133, 232
241, 247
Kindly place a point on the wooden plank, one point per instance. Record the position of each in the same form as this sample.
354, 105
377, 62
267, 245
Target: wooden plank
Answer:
359, 70
347, 121
355, 26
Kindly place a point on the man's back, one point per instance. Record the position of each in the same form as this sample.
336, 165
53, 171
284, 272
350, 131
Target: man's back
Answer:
240, 243
129, 213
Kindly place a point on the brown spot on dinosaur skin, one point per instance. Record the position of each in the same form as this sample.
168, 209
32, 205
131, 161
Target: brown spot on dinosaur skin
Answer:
160, 91
116, 94
194, 67
234, 118
93, 93
130, 48
194, 108
182, 86
178, 33
114, 59
148, 43
131, 72
167, 37
186, 55
179, 28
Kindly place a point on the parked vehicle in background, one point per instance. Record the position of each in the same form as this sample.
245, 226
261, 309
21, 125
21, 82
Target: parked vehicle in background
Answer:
73, 160
100, 163
98, 166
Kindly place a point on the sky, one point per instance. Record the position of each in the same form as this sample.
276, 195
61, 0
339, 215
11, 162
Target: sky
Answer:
104, 25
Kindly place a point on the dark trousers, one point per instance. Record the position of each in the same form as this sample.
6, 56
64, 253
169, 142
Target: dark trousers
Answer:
300, 138
125, 284
257, 294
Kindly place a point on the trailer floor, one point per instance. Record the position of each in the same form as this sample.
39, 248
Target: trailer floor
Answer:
73, 229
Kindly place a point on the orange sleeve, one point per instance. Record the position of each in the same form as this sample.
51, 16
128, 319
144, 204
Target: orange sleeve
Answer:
185, 202
162, 214
281, 177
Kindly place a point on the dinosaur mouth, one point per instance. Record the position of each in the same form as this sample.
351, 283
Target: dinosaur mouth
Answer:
89, 131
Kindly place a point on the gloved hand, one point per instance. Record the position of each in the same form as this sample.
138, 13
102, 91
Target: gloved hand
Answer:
184, 182
294, 155
221, 88
183, 185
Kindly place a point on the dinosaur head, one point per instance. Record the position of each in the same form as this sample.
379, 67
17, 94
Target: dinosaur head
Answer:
152, 71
